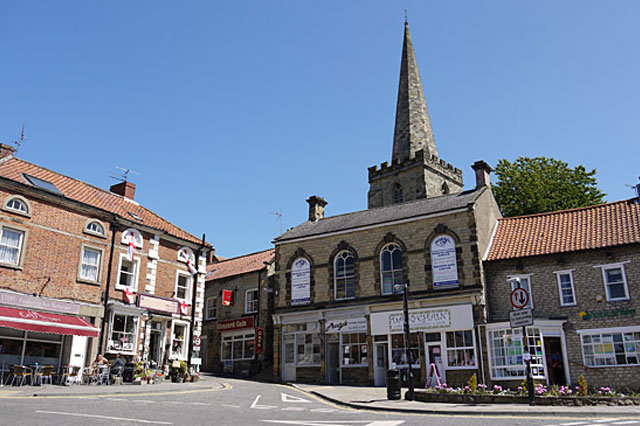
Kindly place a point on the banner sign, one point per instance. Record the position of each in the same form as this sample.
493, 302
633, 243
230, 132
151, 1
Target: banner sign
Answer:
28, 301
158, 304
301, 282
443, 262
457, 317
351, 325
236, 324
259, 340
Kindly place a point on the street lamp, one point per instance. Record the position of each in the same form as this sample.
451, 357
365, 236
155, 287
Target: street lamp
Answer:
410, 395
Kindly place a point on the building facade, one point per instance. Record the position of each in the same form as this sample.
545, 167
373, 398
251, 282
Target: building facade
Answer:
339, 280
238, 328
111, 271
581, 268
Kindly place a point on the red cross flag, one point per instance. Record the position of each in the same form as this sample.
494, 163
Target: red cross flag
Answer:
192, 269
128, 295
227, 297
132, 246
183, 307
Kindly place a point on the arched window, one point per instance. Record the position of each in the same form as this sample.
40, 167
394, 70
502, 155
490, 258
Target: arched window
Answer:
18, 205
344, 276
391, 271
134, 234
445, 188
94, 227
397, 194
186, 254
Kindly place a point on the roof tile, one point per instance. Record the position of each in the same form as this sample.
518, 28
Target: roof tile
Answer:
239, 265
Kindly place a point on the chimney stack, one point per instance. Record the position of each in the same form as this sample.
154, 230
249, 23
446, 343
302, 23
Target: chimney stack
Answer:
126, 189
6, 150
316, 207
483, 170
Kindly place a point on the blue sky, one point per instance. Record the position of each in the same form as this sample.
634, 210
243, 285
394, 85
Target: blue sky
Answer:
231, 110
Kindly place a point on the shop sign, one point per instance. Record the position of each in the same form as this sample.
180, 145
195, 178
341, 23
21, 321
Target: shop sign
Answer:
158, 304
607, 314
27, 301
300, 282
444, 265
350, 325
236, 324
259, 340
458, 317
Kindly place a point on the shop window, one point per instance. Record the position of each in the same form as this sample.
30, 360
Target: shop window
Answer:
179, 340
301, 344
11, 245
566, 288
308, 349
183, 285
122, 337
399, 351
506, 353
128, 273
344, 276
613, 348
90, 264
615, 282
251, 301
391, 271
239, 347
525, 283
210, 309
354, 349
461, 350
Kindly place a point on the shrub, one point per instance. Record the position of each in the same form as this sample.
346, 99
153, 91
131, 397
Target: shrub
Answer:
473, 383
582, 388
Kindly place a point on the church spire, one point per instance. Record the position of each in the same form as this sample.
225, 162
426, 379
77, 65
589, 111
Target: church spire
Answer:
413, 127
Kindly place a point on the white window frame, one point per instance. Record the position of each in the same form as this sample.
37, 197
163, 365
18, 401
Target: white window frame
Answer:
606, 331
99, 266
511, 280
138, 241
134, 342
618, 265
343, 279
136, 273
254, 302
448, 348
211, 306
89, 231
244, 336
185, 340
20, 247
359, 345
20, 199
184, 254
393, 270
516, 333
189, 288
573, 287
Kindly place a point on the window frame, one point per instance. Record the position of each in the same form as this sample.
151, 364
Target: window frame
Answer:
244, 336
256, 301
454, 348
138, 239
344, 278
79, 277
134, 343
502, 352
393, 270
208, 308
573, 287
189, 287
89, 222
513, 287
359, 345
618, 265
20, 198
136, 274
609, 331
21, 246
185, 340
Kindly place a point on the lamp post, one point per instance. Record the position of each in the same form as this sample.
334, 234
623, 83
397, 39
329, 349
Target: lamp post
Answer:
410, 395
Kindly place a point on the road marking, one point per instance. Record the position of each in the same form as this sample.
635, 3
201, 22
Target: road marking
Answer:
605, 420
95, 416
255, 405
324, 410
115, 399
198, 403
144, 401
336, 422
628, 422
229, 405
293, 409
573, 424
290, 398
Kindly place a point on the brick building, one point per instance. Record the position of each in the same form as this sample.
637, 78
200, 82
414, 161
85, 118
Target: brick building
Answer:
582, 270
238, 334
117, 276
338, 314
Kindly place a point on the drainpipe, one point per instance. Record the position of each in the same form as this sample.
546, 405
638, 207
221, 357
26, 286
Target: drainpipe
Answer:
114, 228
194, 287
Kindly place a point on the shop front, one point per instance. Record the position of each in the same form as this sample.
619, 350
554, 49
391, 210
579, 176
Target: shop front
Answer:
240, 345
347, 350
158, 330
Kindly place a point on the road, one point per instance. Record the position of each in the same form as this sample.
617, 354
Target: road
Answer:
239, 403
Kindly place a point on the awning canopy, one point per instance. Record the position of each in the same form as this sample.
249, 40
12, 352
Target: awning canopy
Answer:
29, 320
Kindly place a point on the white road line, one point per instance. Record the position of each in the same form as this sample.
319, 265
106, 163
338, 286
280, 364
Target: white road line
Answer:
199, 403
605, 420
573, 424
293, 409
229, 405
323, 410
146, 401
627, 422
255, 405
95, 416
115, 399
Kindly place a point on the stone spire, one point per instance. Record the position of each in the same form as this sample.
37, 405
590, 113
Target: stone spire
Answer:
413, 127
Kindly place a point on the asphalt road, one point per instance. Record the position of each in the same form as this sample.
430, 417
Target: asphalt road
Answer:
240, 403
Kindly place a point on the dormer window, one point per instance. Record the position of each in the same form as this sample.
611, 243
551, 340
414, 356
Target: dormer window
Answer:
17, 205
94, 227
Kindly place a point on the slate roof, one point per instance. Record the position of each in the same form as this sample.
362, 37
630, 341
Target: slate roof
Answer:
239, 265
585, 228
12, 168
381, 215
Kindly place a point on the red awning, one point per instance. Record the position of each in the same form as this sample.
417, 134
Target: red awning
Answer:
25, 319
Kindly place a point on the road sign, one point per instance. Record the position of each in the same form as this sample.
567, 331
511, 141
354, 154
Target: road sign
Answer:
519, 298
521, 318
196, 341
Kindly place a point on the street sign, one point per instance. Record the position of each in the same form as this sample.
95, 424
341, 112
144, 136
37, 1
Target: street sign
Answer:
519, 298
196, 341
521, 318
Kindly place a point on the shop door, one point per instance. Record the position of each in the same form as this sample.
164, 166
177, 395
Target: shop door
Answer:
555, 361
381, 354
155, 347
434, 356
289, 358
78, 353
333, 363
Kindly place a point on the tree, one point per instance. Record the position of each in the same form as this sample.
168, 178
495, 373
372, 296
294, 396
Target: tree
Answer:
538, 185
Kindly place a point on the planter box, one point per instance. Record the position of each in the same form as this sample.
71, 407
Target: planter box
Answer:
452, 398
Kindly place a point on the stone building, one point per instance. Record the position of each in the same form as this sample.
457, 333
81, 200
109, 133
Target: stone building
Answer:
121, 277
582, 270
338, 280
238, 333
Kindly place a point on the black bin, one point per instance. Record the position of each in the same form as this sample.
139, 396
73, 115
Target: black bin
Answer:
393, 384
127, 372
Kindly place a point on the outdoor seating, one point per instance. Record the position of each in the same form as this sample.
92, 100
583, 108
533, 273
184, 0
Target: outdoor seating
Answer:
20, 374
71, 375
102, 375
42, 374
89, 375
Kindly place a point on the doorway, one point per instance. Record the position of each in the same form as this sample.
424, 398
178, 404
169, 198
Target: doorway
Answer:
434, 356
156, 340
289, 357
554, 360
381, 365
333, 362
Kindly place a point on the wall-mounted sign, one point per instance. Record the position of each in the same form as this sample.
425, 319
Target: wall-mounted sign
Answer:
28, 301
350, 325
236, 324
443, 262
259, 340
607, 314
457, 317
300, 282
521, 318
158, 304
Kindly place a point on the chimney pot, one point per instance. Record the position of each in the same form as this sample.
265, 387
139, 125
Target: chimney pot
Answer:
316, 207
483, 171
126, 189
6, 150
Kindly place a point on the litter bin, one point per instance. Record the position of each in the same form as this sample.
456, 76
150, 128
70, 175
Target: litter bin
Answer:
127, 372
393, 384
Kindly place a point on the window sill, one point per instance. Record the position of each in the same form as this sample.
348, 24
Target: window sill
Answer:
17, 212
346, 299
355, 365
475, 367
88, 282
95, 234
568, 305
619, 299
11, 266
124, 287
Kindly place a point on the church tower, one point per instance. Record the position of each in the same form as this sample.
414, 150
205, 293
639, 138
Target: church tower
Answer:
416, 171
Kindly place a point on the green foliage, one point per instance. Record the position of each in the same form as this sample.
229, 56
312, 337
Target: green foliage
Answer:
582, 386
523, 390
473, 383
538, 185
